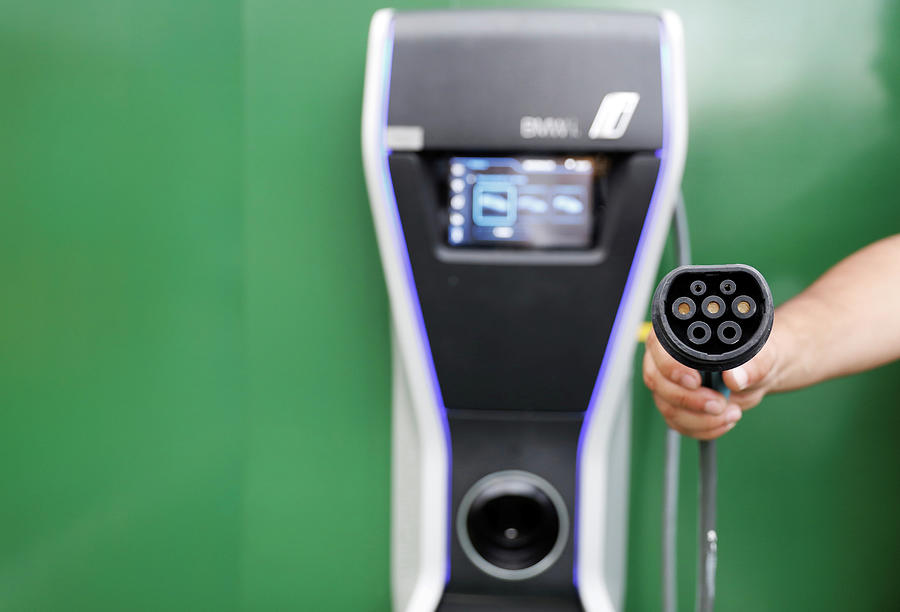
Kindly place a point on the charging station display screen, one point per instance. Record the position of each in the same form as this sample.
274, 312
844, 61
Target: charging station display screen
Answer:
541, 202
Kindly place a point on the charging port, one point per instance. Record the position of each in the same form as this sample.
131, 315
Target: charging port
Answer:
512, 524
742, 324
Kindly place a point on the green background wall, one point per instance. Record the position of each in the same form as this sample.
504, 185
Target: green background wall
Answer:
194, 360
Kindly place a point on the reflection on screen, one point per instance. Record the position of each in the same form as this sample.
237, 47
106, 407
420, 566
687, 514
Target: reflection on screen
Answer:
544, 202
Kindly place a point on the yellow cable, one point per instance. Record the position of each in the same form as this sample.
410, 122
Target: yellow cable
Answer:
644, 331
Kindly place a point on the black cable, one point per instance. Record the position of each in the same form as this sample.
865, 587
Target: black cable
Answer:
673, 450
708, 536
670, 521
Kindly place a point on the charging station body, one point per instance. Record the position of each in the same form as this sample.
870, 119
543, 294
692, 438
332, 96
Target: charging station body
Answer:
522, 168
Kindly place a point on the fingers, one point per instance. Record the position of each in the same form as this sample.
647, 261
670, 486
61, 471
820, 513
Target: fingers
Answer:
699, 399
714, 433
747, 399
697, 411
695, 425
753, 373
672, 370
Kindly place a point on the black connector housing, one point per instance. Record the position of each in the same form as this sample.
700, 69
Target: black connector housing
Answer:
713, 318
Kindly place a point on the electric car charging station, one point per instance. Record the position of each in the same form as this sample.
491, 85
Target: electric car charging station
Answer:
522, 169
249, 363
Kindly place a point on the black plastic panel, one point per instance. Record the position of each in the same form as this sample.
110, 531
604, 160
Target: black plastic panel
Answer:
469, 77
463, 602
521, 336
543, 444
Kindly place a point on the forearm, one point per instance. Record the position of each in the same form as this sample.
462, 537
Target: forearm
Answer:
845, 322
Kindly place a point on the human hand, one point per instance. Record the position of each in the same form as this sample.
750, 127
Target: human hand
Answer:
697, 411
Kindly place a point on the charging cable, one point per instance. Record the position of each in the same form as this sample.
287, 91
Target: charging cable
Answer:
673, 449
689, 303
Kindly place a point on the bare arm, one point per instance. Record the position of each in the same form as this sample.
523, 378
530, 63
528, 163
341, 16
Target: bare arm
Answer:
845, 322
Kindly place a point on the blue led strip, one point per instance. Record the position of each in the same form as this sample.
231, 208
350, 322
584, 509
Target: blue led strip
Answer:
624, 303
407, 268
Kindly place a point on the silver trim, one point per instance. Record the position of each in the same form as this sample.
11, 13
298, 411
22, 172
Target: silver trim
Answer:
598, 579
404, 137
405, 479
462, 533
419, 569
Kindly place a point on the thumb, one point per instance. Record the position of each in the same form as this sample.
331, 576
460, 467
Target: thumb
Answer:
753, 372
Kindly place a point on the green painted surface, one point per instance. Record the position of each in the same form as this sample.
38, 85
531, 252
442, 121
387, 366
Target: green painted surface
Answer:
122, 362
194, 373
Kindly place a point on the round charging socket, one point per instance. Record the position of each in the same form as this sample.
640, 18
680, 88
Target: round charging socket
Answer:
512, 525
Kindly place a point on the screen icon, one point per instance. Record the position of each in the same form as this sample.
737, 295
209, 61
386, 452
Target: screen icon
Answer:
494, 203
